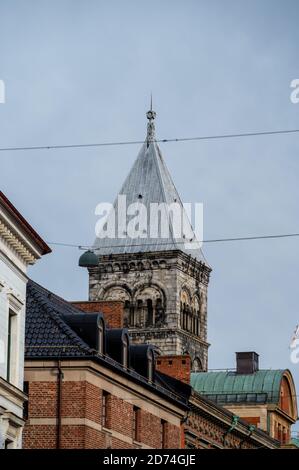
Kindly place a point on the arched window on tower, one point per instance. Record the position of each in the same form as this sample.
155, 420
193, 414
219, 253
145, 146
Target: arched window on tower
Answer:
150, 312
196, 365
188, 328
197, 329
193, 322
181, 315
159, 313
196, 313
128, 320
139, 320
184, 317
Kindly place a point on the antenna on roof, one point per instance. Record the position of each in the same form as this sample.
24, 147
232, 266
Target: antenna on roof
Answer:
150, 126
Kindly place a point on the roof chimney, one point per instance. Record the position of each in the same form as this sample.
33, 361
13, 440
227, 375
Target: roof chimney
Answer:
247, 362
178, 367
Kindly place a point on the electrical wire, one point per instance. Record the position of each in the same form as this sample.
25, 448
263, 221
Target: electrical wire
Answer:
213, 240
135, 142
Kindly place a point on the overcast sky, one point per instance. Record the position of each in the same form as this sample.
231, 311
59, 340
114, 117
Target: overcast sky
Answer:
82, 71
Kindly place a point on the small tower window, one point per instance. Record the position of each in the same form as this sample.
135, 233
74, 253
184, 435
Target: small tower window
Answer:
139, 314
149, 312
128, 314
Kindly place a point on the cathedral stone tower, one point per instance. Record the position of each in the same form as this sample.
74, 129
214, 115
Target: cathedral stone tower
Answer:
162, 281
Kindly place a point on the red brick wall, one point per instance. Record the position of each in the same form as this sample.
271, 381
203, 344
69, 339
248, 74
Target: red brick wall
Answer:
178, 367
173, 436
95, 439
150, 429
73, 401
117, 444
44, 399
113, 311
84, 400
39, 437
72, 437
93, 403
120, 416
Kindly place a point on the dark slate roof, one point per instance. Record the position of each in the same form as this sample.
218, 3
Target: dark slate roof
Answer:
47, 334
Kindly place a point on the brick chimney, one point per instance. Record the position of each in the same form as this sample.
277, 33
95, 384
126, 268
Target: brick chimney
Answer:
247, 362
113, 311
178, 367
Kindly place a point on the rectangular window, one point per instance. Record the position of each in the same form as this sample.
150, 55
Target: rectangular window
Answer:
136, 419
11, 347
105, 400
163, 434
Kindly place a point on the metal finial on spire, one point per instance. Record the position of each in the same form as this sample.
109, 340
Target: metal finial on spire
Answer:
150, 126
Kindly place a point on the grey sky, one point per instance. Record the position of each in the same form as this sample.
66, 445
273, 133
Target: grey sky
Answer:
80, 72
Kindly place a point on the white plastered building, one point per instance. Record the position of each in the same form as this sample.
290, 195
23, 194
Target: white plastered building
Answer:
20, 246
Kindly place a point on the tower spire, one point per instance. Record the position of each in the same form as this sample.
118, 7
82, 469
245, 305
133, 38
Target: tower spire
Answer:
150, 125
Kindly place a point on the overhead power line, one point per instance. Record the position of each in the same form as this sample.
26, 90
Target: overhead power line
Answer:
212, 240
135, 142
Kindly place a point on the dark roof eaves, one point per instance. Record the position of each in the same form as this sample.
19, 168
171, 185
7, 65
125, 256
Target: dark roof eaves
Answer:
111, 364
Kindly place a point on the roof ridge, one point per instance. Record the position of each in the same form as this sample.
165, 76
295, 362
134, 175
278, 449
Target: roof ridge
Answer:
52, 296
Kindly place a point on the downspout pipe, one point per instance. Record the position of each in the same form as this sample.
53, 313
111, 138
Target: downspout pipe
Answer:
234, 423
59, 403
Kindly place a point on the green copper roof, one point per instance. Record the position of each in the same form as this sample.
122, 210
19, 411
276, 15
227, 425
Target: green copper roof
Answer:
262, 386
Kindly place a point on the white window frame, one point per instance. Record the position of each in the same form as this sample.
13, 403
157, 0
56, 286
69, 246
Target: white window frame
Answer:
14, 309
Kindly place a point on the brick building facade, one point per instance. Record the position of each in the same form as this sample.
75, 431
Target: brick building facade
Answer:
83, 391
88, 387
115, 372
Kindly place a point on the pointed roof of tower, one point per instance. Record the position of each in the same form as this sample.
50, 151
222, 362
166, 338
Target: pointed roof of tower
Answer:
148, 182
